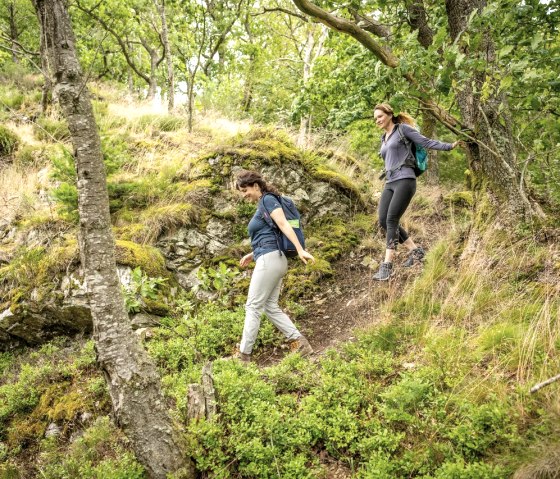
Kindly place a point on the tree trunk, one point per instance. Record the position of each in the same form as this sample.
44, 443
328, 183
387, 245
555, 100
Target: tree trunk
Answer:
496, 161
14, 34
190, 101
132, 379
429, 130
168, 57
154, 62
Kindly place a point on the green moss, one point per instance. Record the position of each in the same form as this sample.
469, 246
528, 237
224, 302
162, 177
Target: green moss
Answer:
461, 198
26, 432
36, 268
157, 307
148, 258
341, 182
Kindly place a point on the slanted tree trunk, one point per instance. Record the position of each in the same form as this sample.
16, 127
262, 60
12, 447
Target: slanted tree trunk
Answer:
154, 63
133, 382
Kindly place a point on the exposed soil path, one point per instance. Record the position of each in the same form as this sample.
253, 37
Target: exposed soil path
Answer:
349, 300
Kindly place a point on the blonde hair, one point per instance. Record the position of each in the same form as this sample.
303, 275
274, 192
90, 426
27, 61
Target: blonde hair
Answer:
402, 117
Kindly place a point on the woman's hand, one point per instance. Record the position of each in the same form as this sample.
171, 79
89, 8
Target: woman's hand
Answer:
244, 262
457, 143
305, 256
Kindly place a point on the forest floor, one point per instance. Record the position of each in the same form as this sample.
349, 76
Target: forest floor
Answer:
351, 300
348, 302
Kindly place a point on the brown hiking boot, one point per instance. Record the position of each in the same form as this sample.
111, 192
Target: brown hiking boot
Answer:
243, 357
301, 345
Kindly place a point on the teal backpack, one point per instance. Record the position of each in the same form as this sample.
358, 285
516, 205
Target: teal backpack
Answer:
418, 156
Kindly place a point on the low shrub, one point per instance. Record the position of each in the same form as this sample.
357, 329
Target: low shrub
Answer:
9, 141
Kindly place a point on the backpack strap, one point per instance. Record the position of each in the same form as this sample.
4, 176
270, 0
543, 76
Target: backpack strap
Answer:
269, 221
408, 144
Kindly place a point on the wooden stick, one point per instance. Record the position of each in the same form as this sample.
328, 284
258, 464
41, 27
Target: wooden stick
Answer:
536, 387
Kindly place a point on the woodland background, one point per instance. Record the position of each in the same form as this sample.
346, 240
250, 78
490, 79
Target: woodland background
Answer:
435, 381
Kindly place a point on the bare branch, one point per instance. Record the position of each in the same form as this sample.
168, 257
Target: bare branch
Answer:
538, 386
283, 10
3, 36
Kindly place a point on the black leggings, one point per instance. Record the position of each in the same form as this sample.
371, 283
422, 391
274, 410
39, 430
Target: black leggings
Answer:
394, 201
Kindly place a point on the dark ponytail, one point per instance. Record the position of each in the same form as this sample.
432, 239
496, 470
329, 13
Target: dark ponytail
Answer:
249, 178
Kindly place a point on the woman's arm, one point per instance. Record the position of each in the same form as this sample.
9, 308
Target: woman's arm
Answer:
280, 219
243, 262
416, 137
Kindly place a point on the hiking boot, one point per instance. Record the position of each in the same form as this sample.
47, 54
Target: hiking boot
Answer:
301, 345
415, 256
384, 273
244, 358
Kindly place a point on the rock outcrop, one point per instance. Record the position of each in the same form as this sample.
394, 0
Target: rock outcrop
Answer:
62, 308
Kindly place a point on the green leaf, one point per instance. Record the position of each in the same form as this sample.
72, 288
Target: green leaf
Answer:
505, 51
459, 59
536, 41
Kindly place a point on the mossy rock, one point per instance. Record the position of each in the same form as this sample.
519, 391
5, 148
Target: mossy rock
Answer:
148, 258
341, 182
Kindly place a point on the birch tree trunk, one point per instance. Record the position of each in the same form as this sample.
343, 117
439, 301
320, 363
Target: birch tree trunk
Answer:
133, 382
312, 52
168, 56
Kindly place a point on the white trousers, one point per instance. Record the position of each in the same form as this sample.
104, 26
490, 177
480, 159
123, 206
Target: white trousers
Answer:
264, 291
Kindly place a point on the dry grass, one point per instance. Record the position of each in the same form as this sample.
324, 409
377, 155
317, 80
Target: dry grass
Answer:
19, 192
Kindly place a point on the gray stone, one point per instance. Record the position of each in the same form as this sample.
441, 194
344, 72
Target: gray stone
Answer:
52, 430
144, 320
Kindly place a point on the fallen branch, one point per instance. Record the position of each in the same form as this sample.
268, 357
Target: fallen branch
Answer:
536, 387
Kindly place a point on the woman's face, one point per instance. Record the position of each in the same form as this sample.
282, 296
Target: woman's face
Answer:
251, 193
382, 119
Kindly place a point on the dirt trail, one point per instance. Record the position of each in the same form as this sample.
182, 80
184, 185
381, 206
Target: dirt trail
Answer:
348, 301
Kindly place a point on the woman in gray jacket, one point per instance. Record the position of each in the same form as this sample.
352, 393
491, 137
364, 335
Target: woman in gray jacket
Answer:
400, 182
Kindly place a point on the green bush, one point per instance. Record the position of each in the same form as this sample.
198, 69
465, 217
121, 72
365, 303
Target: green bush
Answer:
10, 99
98, 454
9, 141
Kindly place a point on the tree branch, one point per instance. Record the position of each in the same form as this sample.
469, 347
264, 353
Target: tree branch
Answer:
382, 53
117, 37
283, 10
5, 37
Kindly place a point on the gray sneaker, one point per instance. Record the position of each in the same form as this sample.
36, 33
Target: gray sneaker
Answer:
301, 345
415, 256
384, 273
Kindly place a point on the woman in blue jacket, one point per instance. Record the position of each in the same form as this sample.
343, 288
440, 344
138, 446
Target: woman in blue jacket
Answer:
400, 183
270, 267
